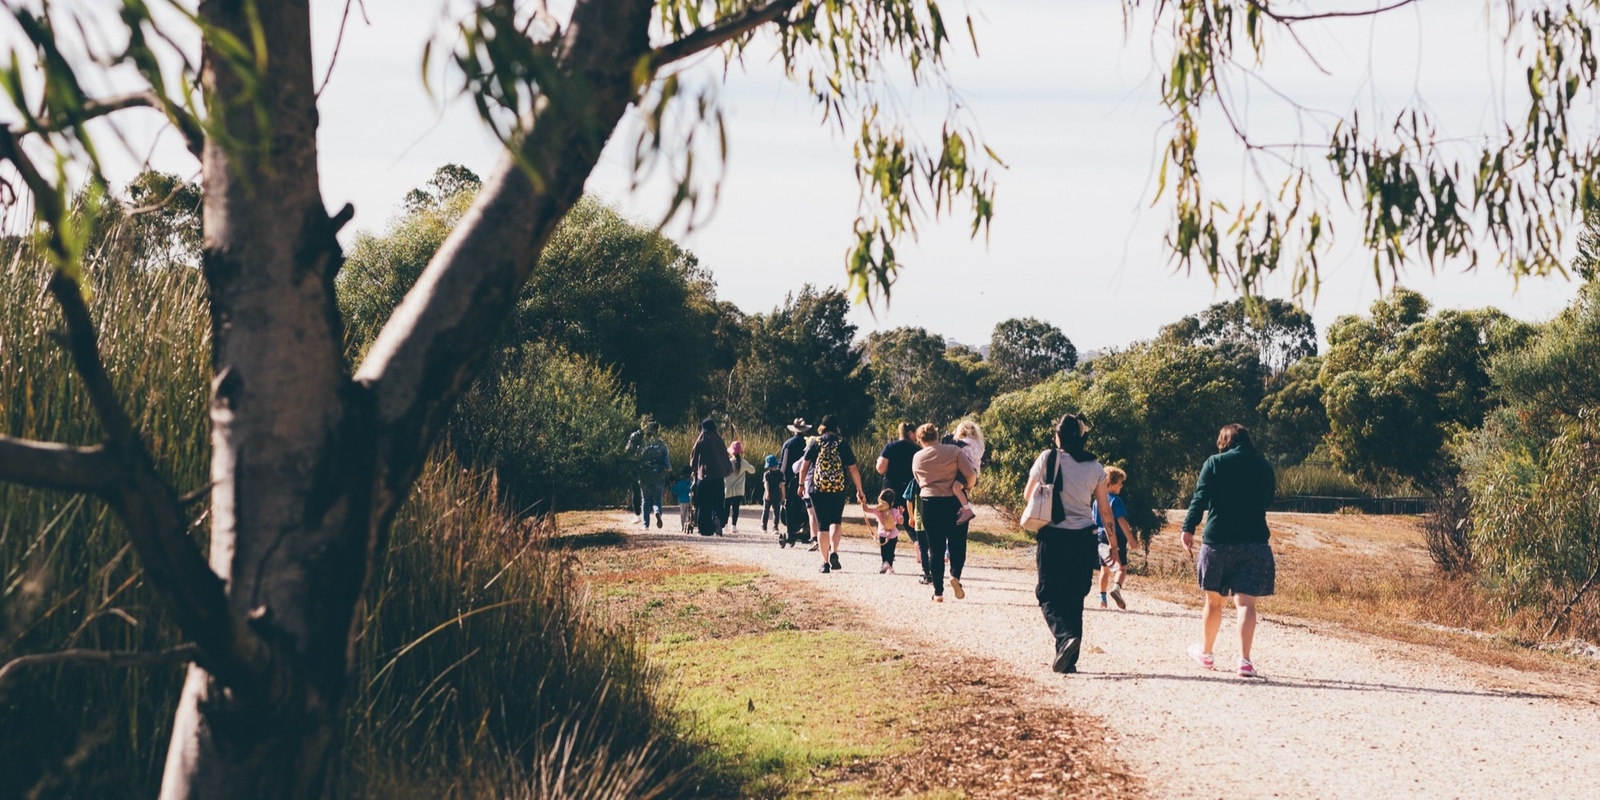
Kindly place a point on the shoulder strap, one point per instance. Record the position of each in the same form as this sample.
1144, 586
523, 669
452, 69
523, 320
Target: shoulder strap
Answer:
1058, 512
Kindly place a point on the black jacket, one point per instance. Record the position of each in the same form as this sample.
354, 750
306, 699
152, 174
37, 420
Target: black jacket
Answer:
1235, 487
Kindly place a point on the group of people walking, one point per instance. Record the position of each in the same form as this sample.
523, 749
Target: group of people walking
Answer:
927, 483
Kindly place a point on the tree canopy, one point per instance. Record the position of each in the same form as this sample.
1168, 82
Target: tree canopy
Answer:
1023, 352
1400, 385
803, 361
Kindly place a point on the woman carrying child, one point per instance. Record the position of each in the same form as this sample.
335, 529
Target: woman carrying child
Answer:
887, 517
938, 467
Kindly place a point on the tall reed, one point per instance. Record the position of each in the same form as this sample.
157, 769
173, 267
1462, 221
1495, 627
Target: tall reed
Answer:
481, 669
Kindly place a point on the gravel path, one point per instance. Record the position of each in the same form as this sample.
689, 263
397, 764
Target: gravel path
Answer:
1336, 716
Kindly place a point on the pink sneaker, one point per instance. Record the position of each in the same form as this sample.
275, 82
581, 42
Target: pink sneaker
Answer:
965, 515
1247, 669
1205, 660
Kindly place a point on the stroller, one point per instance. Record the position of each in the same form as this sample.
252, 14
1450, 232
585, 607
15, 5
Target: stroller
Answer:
802, 534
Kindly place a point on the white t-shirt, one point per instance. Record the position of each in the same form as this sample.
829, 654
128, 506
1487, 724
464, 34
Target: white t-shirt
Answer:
1078, 479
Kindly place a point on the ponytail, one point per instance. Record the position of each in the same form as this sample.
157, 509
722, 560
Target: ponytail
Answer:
1072, 433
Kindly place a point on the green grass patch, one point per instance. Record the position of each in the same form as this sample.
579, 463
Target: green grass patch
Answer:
776, 705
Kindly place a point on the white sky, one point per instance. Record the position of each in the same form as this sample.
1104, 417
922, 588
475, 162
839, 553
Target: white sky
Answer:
1069, 101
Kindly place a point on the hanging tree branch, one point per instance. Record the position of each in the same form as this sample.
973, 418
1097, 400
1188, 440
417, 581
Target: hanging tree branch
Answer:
187, 125
48, 465
182, 654
722, 31
1290, 19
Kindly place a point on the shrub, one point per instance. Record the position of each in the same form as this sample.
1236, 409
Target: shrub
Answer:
552, 424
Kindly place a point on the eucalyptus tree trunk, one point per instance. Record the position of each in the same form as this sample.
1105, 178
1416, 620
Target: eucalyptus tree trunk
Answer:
310, 464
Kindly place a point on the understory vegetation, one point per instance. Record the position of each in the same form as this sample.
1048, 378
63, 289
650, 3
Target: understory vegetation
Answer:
482, 669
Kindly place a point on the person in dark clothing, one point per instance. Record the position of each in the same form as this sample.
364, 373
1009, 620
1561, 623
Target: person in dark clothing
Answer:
894, 464
1068, 554
1233, 491
772, 498
794, 511
708, 460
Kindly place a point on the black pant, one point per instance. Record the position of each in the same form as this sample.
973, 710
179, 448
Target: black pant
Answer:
1067, 560
939, 528
730, 512
794, 509
886, 549
958, 548
708, 505
772, 508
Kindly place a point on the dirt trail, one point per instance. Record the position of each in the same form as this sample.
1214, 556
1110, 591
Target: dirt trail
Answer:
1336, 716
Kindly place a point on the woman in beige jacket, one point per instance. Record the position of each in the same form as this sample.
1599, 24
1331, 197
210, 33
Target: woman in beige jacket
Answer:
937, 468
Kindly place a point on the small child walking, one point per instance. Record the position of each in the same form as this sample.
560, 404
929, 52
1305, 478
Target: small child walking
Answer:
1104, 529
887, 517
772, 495
683, 490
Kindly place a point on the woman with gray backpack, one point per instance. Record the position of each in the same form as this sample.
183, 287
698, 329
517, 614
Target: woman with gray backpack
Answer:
1066, 480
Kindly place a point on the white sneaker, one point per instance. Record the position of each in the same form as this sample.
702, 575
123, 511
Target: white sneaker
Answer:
1205, 660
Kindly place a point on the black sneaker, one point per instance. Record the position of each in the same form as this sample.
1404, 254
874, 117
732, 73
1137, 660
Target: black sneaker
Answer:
825, 568
658, 519
833, 558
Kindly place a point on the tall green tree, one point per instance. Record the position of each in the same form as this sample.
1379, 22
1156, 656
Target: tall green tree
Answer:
1024, 351
914, 376
803, 361
1533, 470
630, 297
609, 289
1400, 385
1281, 332
1154, 410
1293, 418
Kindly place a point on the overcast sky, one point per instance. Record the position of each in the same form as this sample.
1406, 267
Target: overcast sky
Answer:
1068, 99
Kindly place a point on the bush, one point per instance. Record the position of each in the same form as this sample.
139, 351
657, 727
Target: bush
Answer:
1319, 479
1016, 427
552, 424
1447, 528
1153, 410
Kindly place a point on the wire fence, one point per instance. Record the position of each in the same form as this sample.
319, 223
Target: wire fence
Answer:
1312, 504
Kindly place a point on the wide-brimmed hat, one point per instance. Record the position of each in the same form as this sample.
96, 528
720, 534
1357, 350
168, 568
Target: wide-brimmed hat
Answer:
772, 461
799, 426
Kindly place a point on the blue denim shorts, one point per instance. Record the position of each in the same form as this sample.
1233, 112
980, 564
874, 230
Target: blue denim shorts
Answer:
1237, 568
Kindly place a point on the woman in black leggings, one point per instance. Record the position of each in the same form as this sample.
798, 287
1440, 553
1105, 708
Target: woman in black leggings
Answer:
1068, 553
937, 468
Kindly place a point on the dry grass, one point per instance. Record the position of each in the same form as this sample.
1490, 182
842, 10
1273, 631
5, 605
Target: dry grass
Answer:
754, 651
1372, 574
